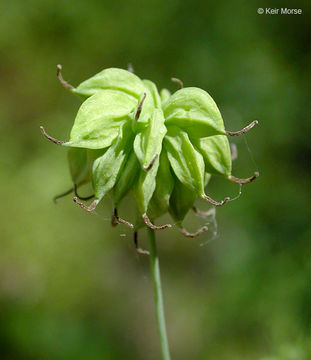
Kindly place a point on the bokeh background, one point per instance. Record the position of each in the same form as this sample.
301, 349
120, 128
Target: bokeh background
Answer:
73, 288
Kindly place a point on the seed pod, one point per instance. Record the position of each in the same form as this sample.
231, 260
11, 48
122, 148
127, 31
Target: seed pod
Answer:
80, 164
99, 119
187, 163
107, 168
127, 179
195, 112
216, 154
148, 101
159, 202
181, 201
148, 143
145, 186
127, 136
113, 79
120, 81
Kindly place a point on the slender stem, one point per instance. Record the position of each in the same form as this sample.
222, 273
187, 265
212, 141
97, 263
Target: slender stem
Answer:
158, 298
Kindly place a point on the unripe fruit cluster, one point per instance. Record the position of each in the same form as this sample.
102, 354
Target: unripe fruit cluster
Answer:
160, 147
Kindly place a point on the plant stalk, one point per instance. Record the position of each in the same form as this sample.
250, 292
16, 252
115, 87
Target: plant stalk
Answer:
158, 298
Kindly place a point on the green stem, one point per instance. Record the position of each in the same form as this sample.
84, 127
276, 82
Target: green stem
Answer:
158, 298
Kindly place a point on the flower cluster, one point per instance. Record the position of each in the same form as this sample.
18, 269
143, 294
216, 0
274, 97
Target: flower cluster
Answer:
161, 147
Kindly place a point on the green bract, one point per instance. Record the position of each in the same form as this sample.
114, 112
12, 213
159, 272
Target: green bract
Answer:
129, 138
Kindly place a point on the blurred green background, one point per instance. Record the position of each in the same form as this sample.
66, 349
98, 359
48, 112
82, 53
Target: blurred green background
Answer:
73, 288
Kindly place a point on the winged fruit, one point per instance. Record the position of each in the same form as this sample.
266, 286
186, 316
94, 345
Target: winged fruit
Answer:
162, 148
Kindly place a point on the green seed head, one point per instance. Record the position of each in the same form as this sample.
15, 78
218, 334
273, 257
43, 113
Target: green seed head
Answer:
162, 148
